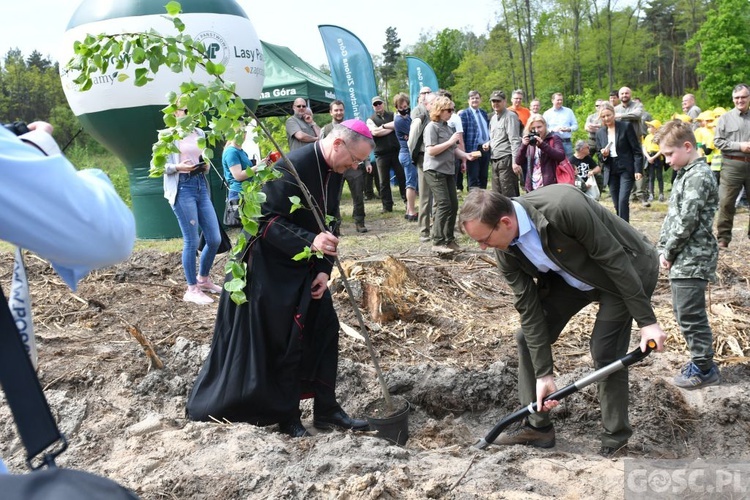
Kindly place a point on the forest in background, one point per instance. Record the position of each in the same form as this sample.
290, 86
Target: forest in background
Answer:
661, 49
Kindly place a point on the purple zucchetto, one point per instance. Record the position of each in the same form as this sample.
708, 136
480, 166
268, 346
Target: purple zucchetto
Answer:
357, 126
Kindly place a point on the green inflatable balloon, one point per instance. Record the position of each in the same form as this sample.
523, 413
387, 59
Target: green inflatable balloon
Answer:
126, 118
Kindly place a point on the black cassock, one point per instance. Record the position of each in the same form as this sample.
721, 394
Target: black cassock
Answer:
281, 346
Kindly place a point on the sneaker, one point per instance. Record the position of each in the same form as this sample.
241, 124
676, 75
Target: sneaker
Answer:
661, 197
209, 286
645, 203
424, 239
197, 296
525, 434
691, 377
361, 228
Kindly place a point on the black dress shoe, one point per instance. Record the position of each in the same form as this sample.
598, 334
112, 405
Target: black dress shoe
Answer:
339, 419
293, 428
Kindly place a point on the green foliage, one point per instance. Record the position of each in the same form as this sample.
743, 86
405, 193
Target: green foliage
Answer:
85, 157
725, 48
214, 107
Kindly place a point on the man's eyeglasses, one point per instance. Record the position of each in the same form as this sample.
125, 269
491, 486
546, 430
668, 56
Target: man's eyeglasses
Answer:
355, 161
300, 106
484, 241
736, 97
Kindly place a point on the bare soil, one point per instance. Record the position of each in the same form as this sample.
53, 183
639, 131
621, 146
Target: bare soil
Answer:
448, 350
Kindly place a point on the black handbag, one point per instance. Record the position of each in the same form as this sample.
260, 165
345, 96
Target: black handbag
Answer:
39, 432
232, 213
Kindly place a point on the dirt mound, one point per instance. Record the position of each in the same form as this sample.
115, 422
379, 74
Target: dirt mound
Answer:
448, 348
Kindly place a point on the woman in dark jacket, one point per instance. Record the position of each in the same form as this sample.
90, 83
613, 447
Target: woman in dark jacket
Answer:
622, 156
545, 154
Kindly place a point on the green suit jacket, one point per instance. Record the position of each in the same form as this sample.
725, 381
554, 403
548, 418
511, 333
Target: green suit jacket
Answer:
593, 245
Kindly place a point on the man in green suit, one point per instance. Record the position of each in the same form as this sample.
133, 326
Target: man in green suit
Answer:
560, 250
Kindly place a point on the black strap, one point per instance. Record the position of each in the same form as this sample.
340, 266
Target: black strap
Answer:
32, 414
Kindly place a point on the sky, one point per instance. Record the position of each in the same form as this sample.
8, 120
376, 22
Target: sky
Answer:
39, 24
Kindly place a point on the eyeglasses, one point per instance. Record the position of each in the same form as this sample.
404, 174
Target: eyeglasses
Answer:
300, 105
736, 97
355, 161
379, 103
484, 241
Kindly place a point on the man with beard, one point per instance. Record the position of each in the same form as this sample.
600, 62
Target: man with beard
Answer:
632, 112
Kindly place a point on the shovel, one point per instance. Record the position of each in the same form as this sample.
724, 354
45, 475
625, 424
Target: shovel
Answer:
630, 358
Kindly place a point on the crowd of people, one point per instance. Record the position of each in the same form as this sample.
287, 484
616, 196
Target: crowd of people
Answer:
558, 248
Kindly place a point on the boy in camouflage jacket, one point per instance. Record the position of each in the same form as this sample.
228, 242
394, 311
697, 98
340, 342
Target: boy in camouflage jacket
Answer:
689, 250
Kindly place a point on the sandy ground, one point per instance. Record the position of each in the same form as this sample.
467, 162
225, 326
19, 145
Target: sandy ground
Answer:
449, 352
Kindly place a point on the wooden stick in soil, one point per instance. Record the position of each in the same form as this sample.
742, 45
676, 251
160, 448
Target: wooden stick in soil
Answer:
352, 300
148, 347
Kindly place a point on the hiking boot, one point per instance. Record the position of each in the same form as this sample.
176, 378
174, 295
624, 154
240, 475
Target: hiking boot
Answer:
525, 434
614, 451
691, 377
361, 228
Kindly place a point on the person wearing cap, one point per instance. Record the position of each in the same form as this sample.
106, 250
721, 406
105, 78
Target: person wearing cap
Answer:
654, 160
282, 344
505, 139
300, 127
716, 157
476, 127
732, 138
386, 153
419, 109
355, 178
516, 105
561, 121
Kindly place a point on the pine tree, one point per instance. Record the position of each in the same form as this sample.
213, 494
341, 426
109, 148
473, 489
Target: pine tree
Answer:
390, 57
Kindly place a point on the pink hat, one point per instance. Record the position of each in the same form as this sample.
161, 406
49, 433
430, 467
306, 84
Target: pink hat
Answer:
358, 126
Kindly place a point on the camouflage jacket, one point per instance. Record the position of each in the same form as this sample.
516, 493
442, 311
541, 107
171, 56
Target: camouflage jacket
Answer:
687, 239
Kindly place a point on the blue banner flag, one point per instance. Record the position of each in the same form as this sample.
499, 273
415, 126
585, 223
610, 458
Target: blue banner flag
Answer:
352, 71
420, 75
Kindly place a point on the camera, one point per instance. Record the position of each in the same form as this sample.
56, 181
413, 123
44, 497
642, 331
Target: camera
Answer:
533, 138
18, 128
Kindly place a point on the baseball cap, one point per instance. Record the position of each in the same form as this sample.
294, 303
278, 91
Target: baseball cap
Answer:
654, 123
497, 95
682, 117
377, 98
707, 115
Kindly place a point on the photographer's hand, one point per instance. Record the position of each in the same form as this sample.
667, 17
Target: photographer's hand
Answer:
41, 126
